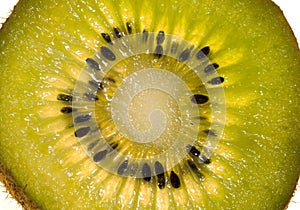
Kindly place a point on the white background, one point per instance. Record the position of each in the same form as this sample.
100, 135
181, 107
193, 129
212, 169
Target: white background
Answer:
291, 10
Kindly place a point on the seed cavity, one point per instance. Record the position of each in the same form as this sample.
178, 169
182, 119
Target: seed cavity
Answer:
99, 156
64, 97
81, 132
200, 118
107, 53
145, 35
109, 79
133, 169
199, 99
195, 169
161, 181
210, 132
123, 167
210, 68
216, 81
175, 181
91, 97
107, 38
146, 172
160, 37
158, 51
92, 145
82, 118
93, 64
129, 27
174, 47
185, 55
66, 110
96, 84
192, 165
118, 32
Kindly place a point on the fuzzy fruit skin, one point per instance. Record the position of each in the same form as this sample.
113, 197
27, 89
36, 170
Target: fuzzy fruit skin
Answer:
262, 94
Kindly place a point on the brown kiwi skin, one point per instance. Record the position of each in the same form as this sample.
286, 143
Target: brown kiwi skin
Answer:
292, 195
15, 190
296, 41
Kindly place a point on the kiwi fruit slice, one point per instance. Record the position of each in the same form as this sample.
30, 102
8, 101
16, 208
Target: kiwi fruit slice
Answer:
163, 104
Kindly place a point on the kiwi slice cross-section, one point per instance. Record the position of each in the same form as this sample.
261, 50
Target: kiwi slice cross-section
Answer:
130, 104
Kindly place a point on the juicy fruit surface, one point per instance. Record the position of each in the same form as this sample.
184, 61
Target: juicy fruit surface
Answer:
44, 47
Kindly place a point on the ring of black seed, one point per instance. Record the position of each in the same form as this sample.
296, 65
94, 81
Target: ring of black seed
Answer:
108, 54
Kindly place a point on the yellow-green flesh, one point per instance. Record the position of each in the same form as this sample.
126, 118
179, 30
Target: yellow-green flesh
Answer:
43, 48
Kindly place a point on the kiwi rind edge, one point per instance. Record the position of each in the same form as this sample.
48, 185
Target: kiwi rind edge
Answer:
15, 190
18, 192
11, 186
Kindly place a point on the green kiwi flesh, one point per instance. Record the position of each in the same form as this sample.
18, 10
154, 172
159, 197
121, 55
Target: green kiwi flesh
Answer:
45, 46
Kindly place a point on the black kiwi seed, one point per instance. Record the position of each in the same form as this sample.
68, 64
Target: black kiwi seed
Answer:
211, 67
82, 118
161, 181
146, 172
82, 131
159, 169
158, 51
203, 52
160, 37
145, 36
64, 97
114, 146
118, 32
129, 27
93, 64
160, 175
91, 96
205, 159
66, 110
107, 53
193, 150
106, 37
99, 156
185, 55
96, 84
175, 181
199, 99
216, 81
123, 167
